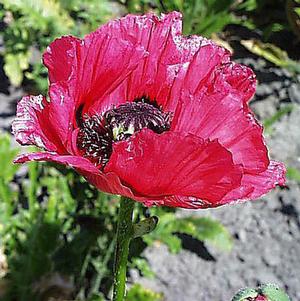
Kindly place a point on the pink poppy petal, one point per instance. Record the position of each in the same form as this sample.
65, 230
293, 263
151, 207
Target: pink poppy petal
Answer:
59, 113
187, 202
71, 161
153, 34
45, 124
254, 186
92, 66
219, 110
174, 164
251, 188
171, 55
109, 183
61, 58
28, 126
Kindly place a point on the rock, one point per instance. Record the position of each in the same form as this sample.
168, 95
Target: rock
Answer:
284, 142
266, 108
294, 92
263, 90
271, 255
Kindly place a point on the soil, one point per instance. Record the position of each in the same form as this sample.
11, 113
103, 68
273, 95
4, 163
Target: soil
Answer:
266, 232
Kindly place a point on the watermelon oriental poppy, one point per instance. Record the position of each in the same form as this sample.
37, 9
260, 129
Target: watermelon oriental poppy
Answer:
142, 111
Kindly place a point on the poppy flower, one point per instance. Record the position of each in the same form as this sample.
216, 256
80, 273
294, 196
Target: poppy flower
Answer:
142, 111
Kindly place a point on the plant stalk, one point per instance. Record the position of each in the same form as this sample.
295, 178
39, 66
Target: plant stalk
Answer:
124, 236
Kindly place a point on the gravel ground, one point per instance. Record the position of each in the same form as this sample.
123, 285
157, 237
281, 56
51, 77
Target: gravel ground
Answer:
266, 232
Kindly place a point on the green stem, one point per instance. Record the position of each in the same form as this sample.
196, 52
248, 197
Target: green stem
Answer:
124, 235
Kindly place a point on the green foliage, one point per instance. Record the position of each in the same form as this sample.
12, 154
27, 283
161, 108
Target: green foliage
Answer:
293, 14
269, 17
202, 228
7, 172
32, 25
143, 266
293, 174
208, 17
14, 66
248, 5
200, 16
31, 259
139, 293
7, 155
273, 54
297, 7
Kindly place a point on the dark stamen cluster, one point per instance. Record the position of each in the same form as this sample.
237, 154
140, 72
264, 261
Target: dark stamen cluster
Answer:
136, 116
98, 133
95, 140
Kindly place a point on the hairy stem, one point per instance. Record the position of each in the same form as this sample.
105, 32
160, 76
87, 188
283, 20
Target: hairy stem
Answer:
124, 235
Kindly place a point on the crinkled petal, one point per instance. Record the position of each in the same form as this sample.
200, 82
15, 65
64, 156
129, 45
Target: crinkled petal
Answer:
218, 109
251, 188
162, 74
254, 186
109, 182
71, 161
61, 58
174, 164
45, 124
93, 66
187, 202
30, 126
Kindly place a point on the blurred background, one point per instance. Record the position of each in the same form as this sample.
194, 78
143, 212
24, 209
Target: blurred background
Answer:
57, 232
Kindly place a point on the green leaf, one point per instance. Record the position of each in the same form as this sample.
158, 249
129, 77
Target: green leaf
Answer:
273, 292
248, 5
293, 174
14, 65
205, 229
7, 155
7, 171
145, 226
42, 13
31, 258
32, 186
96, 298
139, 293
202, 16
245, 294
164, 232
271, 53
143, 266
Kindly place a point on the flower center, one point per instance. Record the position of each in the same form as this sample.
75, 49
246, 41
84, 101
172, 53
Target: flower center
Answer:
98, 132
